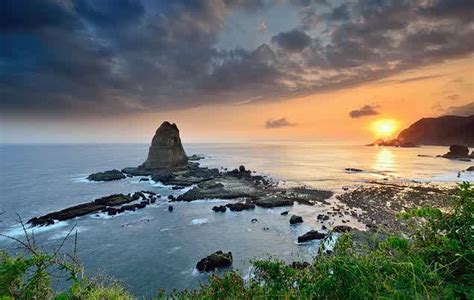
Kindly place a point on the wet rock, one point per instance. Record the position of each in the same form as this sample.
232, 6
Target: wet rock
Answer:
170, 208
457, 151
166, 150
144, 179
342, 229
163, 176
136, 171
270, 202
285, 213
82, 209
311, 235
171, 197
296, 219
322, 217
240, 206
106, 176
353, 170
212, 192
220, 208
254, 220
214, 261
195, 157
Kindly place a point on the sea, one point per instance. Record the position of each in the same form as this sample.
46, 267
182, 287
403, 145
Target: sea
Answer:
153, 248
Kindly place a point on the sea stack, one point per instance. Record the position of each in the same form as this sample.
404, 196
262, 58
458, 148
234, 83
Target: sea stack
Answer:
166, 150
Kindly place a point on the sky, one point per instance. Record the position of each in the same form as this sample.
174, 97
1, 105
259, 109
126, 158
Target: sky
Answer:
94, 71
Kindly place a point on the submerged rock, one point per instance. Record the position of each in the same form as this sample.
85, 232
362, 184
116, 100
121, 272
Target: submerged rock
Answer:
284, 213
166, 150
311, 235
216, 260
296, 219
470, 169
106, 176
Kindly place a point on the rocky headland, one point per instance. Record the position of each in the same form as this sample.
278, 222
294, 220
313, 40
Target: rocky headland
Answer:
441, 131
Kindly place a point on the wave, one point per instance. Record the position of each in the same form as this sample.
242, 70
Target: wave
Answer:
199, 221
18, 231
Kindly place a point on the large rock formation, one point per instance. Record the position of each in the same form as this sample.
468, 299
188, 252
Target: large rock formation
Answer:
442, 131
166, 150
457, 151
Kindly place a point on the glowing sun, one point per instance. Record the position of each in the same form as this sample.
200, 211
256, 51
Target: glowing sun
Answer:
384, 128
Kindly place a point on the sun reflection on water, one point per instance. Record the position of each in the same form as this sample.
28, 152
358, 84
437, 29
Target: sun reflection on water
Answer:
384, 160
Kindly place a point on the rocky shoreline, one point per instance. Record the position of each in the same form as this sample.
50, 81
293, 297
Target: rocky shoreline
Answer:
374, 205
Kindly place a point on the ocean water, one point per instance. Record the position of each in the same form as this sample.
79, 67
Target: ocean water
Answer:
153, 248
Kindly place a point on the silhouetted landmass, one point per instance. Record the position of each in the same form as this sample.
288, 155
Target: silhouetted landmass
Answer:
442, 131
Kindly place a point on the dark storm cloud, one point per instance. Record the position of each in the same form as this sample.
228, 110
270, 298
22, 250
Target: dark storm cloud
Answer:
465, 110
364, 111
294, 40
278, 123
108, 57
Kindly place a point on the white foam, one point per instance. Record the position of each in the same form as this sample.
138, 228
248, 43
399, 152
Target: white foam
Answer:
63, 233
81, 179
17, 230
199, 221
164, 229
174, 249
249, 275
449, 177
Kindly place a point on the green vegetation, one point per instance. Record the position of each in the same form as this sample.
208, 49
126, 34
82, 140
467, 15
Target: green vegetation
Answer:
434, 259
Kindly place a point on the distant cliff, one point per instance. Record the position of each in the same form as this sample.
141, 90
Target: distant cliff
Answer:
442, 131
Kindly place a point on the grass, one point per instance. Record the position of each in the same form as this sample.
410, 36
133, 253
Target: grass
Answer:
433, 260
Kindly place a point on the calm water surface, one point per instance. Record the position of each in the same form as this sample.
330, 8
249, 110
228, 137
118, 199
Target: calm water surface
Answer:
152, 248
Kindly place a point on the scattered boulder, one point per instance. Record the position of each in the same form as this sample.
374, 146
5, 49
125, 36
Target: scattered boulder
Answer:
216, 260
470, 169
296, 219
170, 208
254, 220
457, 151
311, 235
285, 213
240, 206
220, 208
106, 176
166, 150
